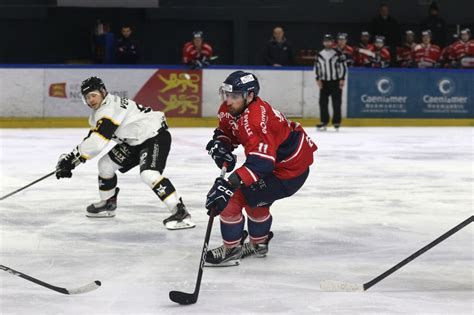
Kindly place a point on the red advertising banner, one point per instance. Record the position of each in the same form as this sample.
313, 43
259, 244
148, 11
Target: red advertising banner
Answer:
177, 93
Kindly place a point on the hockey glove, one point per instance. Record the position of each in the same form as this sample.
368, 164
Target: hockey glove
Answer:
219, 195
220, 153
67, 162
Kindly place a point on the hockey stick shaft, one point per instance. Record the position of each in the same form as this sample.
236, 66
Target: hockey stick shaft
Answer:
206, 243
83, 289
418, 253
186, 298
30, 184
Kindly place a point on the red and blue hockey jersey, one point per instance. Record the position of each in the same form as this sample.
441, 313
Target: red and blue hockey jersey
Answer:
272, 143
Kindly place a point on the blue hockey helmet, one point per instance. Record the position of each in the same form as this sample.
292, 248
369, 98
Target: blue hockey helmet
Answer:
240, 82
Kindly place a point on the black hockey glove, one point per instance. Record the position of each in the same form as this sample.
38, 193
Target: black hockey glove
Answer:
67, 162
219, 195
220, 153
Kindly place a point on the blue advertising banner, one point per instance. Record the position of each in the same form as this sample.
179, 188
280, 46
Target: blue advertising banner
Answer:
410, 93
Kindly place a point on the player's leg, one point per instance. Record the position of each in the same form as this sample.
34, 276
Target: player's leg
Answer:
323, 106
122, 158
153, 155
259, 223
259, 197
336, 105
232, 227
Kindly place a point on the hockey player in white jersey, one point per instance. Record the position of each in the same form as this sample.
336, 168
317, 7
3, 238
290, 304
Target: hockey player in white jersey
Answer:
142, 139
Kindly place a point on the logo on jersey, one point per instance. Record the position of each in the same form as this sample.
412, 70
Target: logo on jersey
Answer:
143, 158
58, 90
247, 124
264, 119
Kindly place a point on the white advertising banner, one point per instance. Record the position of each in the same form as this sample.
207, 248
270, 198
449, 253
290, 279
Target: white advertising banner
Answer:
55, 92
21, 92
62, 88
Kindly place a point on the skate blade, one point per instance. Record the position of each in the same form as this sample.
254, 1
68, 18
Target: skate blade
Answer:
103, 214
232, 263
180, 225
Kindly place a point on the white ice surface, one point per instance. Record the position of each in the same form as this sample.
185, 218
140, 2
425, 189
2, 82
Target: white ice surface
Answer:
374, 196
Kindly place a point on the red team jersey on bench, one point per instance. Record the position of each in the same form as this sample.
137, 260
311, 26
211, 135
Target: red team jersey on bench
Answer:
272, 143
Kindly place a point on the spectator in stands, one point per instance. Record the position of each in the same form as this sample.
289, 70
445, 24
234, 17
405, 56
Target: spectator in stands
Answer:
385, 25
426, 54
127, 47
462, 51
346, 51
436, 24
405, 51
363, 50
196, 53
103, 43
445, 59
279, 51
381, 55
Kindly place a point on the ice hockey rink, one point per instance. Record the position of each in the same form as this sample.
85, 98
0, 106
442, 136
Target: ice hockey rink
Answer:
374, 196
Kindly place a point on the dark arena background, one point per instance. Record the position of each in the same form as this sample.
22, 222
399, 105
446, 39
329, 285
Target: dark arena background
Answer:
382, 89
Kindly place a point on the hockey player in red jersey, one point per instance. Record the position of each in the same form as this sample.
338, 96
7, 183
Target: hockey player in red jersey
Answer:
426, 55
347, 52
405, 52
445, 59
462, 52
278, 155
363, 51
196, 53
381, 58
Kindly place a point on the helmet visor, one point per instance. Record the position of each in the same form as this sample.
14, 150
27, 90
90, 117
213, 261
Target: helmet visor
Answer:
226, 92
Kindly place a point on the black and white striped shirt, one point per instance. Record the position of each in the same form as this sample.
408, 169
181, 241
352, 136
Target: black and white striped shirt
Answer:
328, 65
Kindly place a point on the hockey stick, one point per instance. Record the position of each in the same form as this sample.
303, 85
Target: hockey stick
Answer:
332, 285
184, 298
84, 289
30, 184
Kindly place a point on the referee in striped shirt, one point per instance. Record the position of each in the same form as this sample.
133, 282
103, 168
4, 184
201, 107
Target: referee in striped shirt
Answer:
331, 70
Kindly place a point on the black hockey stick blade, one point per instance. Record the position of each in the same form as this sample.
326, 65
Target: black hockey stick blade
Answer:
183, 298
30, 184
84, 289
341, 286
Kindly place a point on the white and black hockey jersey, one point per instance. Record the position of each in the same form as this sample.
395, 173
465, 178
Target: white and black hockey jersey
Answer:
123, 121
329, 65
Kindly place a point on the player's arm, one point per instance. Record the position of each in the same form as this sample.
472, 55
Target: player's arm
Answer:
223, 142
98, 138
91, 146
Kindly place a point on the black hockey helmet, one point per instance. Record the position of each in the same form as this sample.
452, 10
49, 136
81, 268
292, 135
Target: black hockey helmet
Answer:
93, 84
240, 82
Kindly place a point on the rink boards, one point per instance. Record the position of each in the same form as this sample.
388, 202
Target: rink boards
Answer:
49, 96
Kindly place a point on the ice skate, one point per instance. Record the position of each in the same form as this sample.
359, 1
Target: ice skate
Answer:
179, 220
321, 127
103, 208
257, 250
223, 256
336, 127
